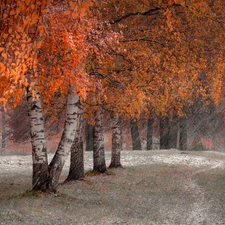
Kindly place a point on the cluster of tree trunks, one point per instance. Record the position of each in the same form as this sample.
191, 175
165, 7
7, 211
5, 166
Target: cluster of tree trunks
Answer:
173, 134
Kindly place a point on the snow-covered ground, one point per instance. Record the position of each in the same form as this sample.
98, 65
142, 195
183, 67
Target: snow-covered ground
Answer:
10, 165
160, 187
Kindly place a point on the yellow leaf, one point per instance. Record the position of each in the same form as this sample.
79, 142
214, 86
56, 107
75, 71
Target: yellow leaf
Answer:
12, 12
17, 53
67, 12
34, 18
5, 36
4, 55
74, 15
41, 30
2, 67
23, 46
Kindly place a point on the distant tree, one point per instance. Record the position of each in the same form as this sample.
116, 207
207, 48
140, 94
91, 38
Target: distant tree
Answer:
164, 133
135, 136
150, 134
89, 137
99, 163
183, 134
3, 130
116, 141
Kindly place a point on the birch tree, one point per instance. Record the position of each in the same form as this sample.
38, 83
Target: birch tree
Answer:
65, 33
76, 170
99, 164
116, 141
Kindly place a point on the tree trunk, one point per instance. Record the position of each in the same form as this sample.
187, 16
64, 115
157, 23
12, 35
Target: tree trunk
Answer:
39, 150
183, 134
3, 131
89, 137
136, 142
98, 146
116, 142
164, 133
77, 154
178, 135
172, 134
150, 134
63, 150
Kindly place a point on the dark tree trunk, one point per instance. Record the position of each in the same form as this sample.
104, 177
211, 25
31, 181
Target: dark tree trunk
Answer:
150, 134
183, 134
164, 133
178, 135
77, 152
89, 137
116, 142
99, 164
136, 141
3, 132
172, 134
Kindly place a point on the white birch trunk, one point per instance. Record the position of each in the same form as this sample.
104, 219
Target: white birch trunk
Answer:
116, 142
98, 144
39, 150
76, 171
70, 127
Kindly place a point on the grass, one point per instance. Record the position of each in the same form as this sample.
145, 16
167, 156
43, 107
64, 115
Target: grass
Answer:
133, 194
155, 194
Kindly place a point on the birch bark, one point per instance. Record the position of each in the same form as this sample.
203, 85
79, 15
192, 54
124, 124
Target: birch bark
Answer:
63, 150
77, 153
39, 150
116, 142
98, 144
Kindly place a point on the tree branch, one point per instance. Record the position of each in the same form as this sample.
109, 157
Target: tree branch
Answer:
107, 77
151, 11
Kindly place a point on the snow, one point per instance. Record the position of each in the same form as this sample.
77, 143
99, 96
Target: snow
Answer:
10, 165
132, 196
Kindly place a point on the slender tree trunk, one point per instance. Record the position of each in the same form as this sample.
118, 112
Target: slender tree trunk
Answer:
3, 131
89, 137
98, 147
63, 150
178, 135
116, 142
173, 134
164, 133
183, 134
150, 134
39, 150
136, 141
77, 154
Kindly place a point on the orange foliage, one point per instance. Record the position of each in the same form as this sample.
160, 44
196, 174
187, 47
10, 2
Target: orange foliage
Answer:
45, 44
174, 51
171, 54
